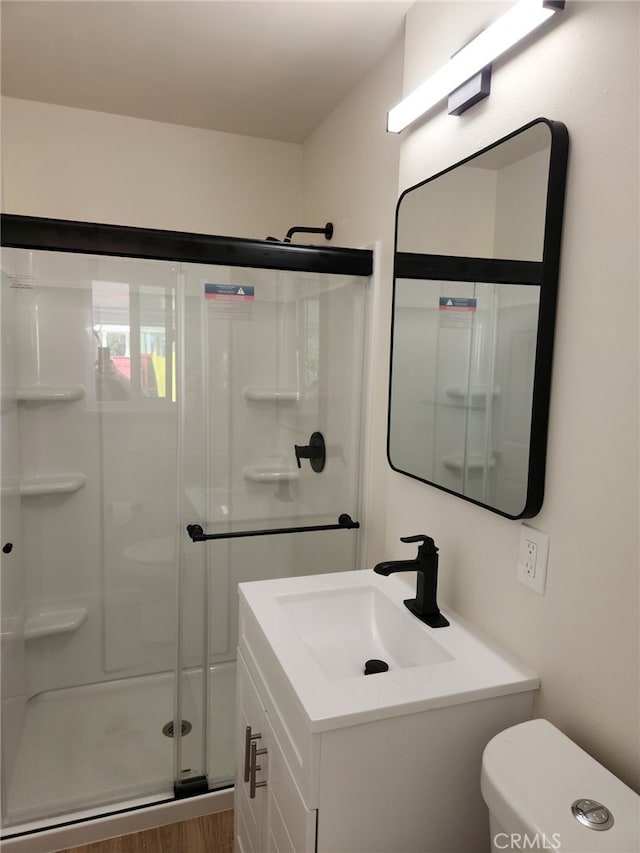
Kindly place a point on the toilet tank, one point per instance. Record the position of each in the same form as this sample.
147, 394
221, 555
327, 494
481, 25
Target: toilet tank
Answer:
532, 775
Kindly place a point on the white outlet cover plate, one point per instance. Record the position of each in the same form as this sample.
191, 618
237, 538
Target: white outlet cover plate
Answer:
537, 582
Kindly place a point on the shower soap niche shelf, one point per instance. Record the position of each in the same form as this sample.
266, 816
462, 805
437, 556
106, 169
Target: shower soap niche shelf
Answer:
261, 394
269, 474
51, 622
49, 393
51, 484
456, 462
476, 396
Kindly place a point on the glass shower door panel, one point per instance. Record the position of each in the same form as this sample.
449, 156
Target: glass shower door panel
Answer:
283, 359
94, 400
270, 357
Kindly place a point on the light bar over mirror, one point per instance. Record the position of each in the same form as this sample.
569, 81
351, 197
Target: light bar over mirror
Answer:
522, 19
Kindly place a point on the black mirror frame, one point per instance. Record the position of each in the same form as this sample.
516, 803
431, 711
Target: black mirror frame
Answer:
544, 273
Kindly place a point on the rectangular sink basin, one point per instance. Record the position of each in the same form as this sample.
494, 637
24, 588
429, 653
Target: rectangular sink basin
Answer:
344, 628
313, 635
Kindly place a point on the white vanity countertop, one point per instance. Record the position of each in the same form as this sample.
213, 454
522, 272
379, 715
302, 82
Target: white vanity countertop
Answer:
470, 668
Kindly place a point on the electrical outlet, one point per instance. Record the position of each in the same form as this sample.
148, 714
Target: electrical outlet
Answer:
532, 558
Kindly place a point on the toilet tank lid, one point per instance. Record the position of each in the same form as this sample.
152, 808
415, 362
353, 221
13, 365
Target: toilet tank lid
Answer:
532, 774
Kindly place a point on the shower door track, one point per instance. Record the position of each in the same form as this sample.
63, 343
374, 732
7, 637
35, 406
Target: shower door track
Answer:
64, 235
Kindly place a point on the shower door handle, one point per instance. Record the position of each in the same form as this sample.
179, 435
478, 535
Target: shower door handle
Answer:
248, 737
255, 752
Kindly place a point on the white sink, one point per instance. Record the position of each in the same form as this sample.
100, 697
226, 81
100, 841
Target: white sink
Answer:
343, 628
313, 635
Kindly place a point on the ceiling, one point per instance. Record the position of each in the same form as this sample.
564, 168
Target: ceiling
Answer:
268, 69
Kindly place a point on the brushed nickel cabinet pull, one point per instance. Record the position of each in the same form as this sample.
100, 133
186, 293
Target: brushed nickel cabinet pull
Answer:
255, 752
248, 737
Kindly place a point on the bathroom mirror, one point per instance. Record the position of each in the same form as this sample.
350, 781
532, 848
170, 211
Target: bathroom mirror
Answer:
475, 280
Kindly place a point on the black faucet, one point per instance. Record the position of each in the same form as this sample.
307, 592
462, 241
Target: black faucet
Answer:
424, 605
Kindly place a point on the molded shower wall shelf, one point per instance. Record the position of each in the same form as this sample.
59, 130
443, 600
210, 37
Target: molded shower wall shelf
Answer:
260, 394
49, 393
269, 474
456, 462
51, 484
51, 622
476, 396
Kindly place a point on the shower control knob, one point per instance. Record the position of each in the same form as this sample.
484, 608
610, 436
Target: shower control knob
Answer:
315, 452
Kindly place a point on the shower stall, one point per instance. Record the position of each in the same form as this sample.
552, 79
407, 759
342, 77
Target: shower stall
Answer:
152, 381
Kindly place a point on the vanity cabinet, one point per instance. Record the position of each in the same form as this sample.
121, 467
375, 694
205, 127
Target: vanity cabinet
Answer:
406, 782
270, 813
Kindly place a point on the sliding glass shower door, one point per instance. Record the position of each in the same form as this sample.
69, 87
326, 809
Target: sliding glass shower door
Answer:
269, 358
140, 396
90, 467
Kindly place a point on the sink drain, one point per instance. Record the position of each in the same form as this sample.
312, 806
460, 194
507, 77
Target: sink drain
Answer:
374, 665
185, 728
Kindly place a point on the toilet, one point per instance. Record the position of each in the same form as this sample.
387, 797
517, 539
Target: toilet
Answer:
545, 793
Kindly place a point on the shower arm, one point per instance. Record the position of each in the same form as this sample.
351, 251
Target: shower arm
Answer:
197, 534
327, 230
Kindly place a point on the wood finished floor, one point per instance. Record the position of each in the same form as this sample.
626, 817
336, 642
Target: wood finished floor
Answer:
210, 834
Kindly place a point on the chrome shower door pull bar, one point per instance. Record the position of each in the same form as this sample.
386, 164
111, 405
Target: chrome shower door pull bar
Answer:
248, 737
255, 752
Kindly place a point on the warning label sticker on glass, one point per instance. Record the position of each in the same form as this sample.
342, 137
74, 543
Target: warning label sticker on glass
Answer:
230, 301
21, 282
456, 312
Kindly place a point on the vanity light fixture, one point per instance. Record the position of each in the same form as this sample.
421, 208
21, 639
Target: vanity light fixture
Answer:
510, 28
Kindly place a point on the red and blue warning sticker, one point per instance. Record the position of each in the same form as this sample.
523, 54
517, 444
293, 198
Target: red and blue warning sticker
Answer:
458, 303
234, 292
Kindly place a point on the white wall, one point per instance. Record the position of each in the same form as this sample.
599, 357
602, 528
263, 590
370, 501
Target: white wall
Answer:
582, 636
78, 164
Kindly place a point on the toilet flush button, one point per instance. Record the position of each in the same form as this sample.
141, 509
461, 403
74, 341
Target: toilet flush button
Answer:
592, 814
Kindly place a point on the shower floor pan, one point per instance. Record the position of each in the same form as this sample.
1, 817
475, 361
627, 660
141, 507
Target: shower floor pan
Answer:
103, 743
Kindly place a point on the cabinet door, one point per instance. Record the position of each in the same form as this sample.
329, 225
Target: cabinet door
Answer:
276, 819
290, 825
249, 811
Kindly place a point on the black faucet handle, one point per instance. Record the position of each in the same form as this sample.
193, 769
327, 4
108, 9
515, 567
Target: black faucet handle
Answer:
426, 542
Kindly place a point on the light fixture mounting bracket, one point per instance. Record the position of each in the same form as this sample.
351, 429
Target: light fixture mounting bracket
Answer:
473, 90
